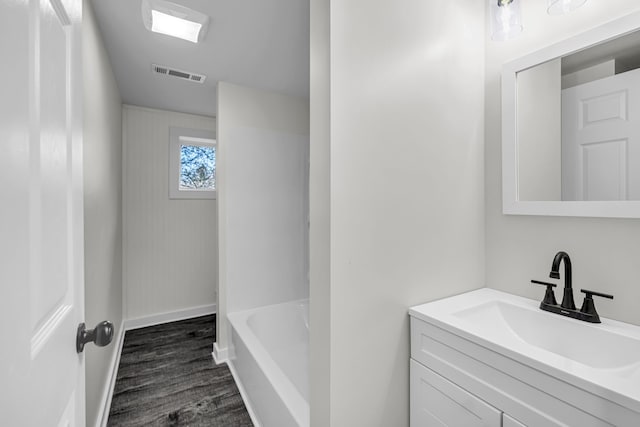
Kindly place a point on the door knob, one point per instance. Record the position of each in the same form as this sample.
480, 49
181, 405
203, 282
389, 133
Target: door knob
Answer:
101, 335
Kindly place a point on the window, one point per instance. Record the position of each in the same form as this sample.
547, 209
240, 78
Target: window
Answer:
192, 164
197, 167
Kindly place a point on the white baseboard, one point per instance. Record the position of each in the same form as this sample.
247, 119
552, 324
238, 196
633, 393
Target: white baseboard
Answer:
107, 393
243, 394
172, 316
220, 356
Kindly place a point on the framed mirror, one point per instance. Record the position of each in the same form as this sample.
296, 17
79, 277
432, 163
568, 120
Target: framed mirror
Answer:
571, 126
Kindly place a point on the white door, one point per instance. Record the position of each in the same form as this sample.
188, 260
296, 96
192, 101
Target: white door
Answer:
601, 139
41, 226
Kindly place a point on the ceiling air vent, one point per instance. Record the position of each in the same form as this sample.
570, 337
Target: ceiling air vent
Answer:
181, 74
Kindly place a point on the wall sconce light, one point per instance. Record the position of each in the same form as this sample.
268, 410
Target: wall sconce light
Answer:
560, 7
506, 19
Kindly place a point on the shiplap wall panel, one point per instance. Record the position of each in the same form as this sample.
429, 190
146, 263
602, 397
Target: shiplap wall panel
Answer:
169, 245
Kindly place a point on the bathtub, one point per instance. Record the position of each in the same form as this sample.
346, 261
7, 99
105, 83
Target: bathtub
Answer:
269, 358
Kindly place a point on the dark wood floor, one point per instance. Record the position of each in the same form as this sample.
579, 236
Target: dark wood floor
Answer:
167, 377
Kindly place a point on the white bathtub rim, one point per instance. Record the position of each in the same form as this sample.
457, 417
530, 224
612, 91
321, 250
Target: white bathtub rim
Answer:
296, 404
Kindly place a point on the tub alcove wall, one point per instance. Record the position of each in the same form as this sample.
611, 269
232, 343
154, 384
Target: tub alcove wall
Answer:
262, 184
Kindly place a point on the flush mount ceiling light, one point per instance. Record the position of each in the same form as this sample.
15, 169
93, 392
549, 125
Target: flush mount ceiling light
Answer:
560, 7
174, 20
506, 19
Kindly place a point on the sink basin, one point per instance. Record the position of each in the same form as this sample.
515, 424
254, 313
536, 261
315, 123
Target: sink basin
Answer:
601, 358
576, 340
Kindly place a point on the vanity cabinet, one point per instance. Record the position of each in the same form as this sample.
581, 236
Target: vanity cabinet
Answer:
507, 421
455, 381
436, 401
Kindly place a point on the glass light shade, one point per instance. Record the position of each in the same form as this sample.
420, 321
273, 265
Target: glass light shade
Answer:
173, 26
506, 19
560, 7
174, 20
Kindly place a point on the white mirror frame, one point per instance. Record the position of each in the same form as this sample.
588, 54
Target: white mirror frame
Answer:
510, 203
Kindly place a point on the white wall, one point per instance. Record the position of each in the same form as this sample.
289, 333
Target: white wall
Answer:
539, 116
404, 140
604, 252
319, 213
169, 245
102, 158
262, 162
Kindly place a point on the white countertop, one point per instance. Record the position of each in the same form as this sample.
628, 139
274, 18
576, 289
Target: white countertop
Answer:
603, 359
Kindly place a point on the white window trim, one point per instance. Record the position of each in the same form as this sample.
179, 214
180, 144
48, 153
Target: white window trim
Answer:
177, 137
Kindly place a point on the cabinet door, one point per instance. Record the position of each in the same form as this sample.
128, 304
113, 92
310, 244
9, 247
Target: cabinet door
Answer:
507, 421
436, 401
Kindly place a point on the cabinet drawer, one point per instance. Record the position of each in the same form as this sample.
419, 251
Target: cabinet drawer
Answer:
421, 332
507, 421
436, 401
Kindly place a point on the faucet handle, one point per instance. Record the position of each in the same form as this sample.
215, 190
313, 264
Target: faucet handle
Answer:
588, 294
588, 307
549, 296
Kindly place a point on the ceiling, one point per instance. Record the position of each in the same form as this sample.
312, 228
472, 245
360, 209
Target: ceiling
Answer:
262, 44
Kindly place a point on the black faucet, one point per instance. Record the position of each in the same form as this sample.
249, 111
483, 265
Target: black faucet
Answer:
588, 311
567, 297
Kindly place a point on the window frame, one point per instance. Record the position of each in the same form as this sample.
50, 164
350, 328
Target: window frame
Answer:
193, 137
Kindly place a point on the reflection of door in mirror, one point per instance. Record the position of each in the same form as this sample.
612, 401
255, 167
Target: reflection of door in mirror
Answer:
583, 161
601, 139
